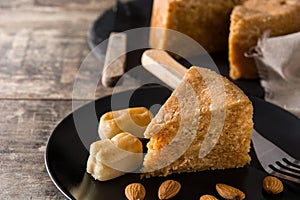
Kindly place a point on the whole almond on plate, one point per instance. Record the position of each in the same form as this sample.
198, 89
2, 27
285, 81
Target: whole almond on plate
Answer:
168, 189
135, 191
207, 197
272, 185
229, 192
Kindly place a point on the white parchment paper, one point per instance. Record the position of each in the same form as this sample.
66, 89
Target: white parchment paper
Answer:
278, 63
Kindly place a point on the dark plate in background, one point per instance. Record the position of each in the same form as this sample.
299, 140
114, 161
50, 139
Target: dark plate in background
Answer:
137, 13
66, 156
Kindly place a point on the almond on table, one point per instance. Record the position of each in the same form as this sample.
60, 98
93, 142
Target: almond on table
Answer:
272, 185
168, 189
135, 191
208, 197
229, 192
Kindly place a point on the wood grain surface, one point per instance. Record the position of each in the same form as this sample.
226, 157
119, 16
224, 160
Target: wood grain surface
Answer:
25, 127
42, 44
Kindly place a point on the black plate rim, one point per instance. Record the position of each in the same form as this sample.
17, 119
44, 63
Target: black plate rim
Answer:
54, 180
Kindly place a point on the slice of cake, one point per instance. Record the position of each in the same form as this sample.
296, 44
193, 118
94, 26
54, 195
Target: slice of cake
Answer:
205, 124
206, 21
248, 23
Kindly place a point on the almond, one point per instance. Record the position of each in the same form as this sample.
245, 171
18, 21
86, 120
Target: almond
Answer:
168, 189
229, 192
135, 191
272, 185
207, 197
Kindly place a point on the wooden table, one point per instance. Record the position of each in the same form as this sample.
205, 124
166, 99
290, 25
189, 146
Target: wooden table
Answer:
42, 44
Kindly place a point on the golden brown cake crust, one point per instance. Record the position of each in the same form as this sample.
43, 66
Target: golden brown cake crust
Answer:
233, 145
206, 21
248, 23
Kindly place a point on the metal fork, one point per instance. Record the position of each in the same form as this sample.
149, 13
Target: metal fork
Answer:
274, 160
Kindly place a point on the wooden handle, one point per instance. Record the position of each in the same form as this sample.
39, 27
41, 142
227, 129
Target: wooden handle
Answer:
114, 65
163, 66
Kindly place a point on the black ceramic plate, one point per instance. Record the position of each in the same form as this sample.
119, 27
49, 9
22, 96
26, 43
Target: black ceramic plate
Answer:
137, 13
66, 156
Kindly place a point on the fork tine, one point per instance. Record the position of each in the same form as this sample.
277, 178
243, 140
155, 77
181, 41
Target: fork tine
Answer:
274, 160
283, 168
291, 165
292, 162
283, 176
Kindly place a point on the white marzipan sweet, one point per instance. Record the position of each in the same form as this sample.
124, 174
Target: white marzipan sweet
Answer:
110, 158
132, 120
